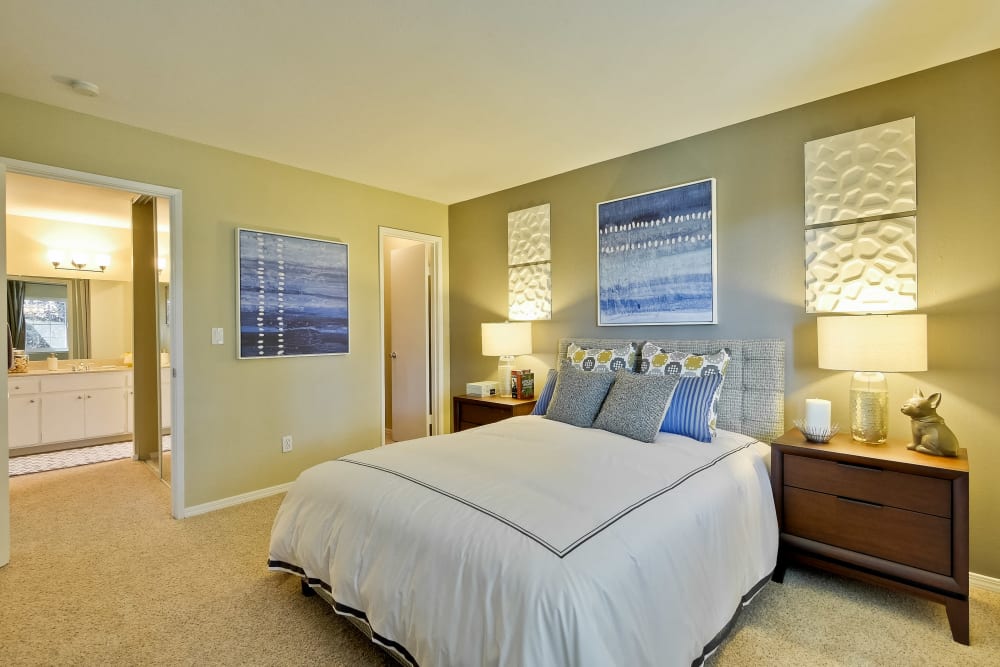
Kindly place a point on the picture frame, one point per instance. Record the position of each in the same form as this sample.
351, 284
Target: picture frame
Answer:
292, 295
657, 258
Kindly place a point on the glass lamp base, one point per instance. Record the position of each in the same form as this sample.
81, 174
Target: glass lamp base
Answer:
869, 404
504, 367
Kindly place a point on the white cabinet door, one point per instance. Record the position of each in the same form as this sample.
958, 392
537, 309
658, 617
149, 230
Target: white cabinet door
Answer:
105, 412
63, 416
23, 427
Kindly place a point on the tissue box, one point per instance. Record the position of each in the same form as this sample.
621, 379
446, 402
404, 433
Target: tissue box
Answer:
484, 388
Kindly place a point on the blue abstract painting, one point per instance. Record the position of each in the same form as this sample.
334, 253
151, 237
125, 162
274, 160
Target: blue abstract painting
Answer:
293, 296
656, 257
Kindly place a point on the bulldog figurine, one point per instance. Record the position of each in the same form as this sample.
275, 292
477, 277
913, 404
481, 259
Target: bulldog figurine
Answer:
930, 434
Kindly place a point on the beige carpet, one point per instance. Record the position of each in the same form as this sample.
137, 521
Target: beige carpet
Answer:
101, 575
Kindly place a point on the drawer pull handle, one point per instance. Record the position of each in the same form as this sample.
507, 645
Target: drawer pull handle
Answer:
857, 466
860, 502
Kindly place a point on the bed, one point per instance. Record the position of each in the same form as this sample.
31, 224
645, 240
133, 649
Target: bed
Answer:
534, 542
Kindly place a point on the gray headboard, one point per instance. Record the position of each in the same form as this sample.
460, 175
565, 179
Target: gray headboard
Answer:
753, 396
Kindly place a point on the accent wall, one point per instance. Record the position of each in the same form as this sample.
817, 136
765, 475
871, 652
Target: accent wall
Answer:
758, 165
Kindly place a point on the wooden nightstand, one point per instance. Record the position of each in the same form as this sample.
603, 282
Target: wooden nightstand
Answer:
878, 513
473, 411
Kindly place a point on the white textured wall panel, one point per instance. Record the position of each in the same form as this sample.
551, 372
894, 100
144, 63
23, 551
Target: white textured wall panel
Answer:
871, 171
529, 292
864, 267
528, 236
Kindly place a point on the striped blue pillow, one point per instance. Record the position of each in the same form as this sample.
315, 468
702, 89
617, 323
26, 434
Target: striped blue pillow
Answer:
689, 409
542, 404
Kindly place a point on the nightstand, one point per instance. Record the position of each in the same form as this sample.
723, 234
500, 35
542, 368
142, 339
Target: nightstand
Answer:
473, 411
878, 513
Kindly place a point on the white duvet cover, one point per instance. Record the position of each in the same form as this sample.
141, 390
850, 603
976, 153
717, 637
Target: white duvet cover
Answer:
532, 542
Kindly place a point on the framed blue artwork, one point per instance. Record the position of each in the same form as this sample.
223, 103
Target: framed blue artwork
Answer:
656, 258
292, 295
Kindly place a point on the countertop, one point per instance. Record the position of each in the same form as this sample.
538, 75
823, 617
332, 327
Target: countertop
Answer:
68, 371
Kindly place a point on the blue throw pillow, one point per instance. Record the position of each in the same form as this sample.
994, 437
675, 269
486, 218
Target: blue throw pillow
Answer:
542, 404
690, 406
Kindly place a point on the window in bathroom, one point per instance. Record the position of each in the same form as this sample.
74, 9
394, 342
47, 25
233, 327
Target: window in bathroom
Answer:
46, 320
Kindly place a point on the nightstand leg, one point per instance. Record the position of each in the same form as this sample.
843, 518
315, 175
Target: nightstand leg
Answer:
958, 619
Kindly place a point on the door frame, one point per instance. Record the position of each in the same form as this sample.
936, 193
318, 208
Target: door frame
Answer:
438, 401
174, 195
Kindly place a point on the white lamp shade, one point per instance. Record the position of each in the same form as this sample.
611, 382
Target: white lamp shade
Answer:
884, 343
506, 338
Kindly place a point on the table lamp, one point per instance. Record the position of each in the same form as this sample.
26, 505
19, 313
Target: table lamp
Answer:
872, 345
505, 340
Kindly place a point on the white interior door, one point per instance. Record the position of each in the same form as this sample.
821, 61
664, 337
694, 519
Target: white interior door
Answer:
410, 343
4, 451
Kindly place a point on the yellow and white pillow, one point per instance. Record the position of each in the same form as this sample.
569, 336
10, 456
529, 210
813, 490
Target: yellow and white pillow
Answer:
657, 360
606, 360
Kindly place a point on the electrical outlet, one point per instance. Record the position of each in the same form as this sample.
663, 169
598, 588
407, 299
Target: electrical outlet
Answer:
286, 444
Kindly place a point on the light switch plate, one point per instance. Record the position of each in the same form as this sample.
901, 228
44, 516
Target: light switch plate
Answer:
216, 335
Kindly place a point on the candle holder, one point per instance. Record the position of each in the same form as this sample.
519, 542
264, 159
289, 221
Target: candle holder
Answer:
817, 433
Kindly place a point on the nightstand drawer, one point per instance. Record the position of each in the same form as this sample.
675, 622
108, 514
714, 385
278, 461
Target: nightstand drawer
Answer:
480, 414
911, 538
884, 487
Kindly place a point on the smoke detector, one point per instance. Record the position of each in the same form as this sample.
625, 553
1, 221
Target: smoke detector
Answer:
85, 88
79, 86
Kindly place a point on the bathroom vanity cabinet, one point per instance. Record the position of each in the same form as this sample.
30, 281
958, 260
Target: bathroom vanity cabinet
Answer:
62, 409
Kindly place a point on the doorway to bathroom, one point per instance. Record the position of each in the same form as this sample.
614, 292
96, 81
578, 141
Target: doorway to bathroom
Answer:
108, 384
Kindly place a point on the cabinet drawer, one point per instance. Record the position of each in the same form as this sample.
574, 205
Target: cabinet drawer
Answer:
885, 487
480, 414
22, 385
911, 538
83, 381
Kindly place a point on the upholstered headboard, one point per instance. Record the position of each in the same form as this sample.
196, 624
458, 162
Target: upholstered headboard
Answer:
753, 396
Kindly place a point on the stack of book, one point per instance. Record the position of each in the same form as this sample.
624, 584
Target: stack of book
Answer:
522, 384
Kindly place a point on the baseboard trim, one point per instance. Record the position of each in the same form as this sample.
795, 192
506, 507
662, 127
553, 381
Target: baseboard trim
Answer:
984, 582
231, 501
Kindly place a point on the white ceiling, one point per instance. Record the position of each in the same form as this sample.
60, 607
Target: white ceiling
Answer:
453, 99
62, 201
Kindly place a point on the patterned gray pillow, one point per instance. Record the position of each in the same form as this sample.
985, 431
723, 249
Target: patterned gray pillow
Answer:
578, 395
636, 404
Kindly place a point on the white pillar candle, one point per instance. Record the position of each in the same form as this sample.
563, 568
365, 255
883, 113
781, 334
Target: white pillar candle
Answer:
817, 414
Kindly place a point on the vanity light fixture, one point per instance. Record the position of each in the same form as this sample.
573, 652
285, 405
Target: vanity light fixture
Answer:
78, 261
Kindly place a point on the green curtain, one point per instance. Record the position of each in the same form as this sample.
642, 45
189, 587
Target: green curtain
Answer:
15, 312
79, 298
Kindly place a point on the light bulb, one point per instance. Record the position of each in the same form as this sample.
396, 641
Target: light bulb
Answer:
57, 257
103, 261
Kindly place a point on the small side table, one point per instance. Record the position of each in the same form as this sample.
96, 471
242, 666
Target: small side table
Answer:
877, 513
472, 411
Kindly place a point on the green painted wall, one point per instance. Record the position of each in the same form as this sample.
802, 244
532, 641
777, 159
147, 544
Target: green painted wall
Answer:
759, 167
236, 411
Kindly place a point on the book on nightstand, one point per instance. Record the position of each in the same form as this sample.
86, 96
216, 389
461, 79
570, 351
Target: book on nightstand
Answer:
522, 384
